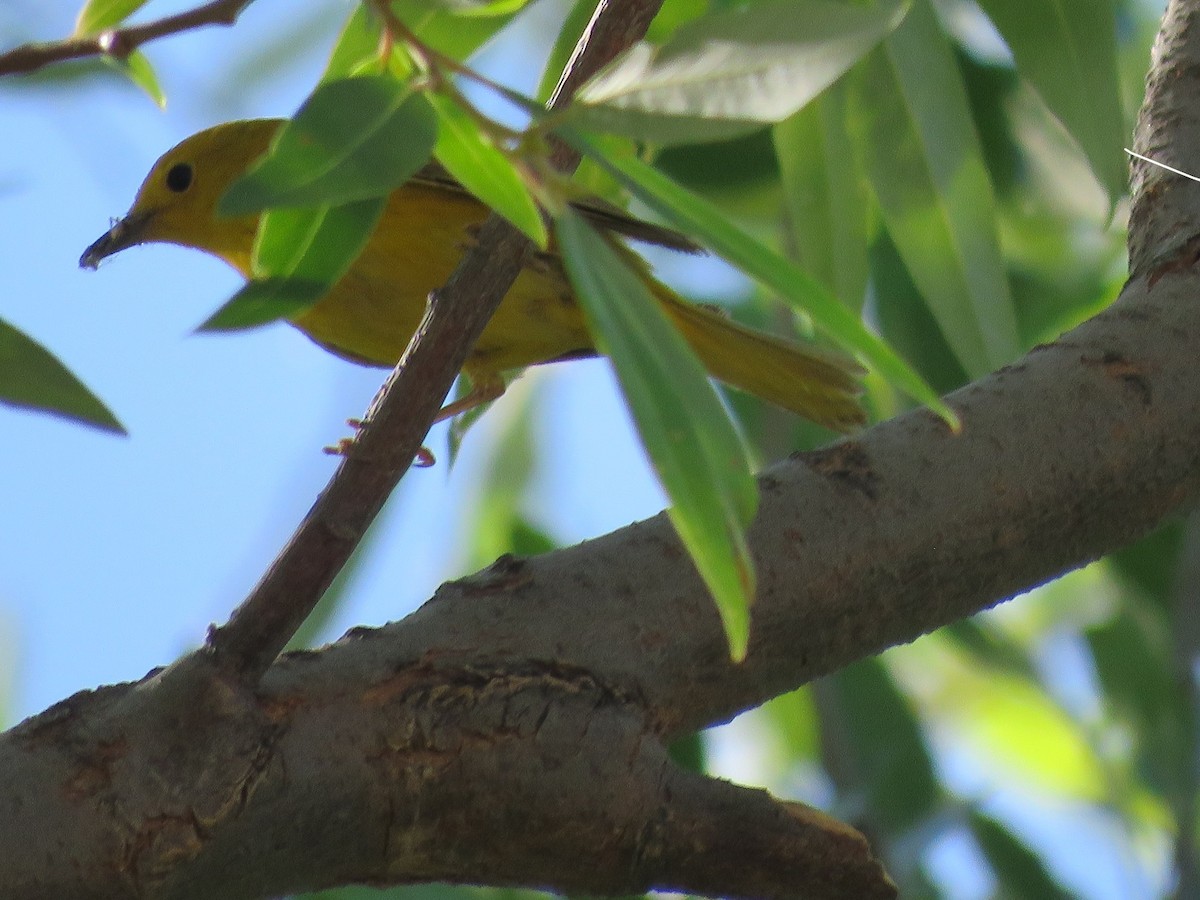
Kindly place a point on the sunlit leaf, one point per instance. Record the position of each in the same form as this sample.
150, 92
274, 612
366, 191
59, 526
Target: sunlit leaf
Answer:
352, 139
483, 170
357, 48
457, 29
33, 378
687, 434
99, 15
136, 67
731, 71
1019, 727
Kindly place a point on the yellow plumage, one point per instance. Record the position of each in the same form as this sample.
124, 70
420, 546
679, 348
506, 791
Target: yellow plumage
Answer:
371, 313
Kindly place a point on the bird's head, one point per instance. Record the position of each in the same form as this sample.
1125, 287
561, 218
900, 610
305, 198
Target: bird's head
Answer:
177, 203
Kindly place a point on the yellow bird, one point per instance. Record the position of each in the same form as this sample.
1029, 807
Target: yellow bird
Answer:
371, 313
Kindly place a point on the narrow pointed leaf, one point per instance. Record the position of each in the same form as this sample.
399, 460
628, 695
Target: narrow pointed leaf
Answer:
927, 169
99, 15
825, 196
483, 170
564, 46
685, 430
32, 377
700, 220
456, 28
1018, 869
731, 71
357, 47
1067, 49
136, 67
352, 139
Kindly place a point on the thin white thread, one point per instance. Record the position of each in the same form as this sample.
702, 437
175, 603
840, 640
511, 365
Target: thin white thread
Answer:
1161, 165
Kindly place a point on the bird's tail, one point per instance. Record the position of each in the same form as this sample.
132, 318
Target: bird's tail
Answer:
818, 384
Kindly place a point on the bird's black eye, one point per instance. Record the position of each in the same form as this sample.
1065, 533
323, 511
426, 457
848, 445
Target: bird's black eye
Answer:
179, 177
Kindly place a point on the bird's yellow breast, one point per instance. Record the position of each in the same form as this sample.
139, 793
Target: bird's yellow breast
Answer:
372, 312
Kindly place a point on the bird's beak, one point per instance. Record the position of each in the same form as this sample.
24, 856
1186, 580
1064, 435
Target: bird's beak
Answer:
124, 233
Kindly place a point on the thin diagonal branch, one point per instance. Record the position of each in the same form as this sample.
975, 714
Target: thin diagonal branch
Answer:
401, 415
118, 42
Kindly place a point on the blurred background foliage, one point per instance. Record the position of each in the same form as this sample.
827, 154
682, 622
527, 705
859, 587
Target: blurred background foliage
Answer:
1045, 748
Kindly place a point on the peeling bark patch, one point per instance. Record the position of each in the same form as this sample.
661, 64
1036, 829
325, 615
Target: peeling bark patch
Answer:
1127, 372
95, 772
846, 463
160, 844
1181, 260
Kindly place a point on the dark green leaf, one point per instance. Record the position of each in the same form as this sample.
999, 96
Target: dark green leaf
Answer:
688, 752
925, 163
353, 139
1067, 49
493, 522
731, 71
1018, 869
32, 377
873, 741
906, 323
264, 300
687, 433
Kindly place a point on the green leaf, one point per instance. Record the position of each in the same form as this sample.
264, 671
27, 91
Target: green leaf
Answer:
487, 173
1027, 735
1018, 869
457, 29
299, 254
731, 71
493, 523
100, 15
825, 196
873, 731
352, 139
32, 377
357, 49
927, 169
906, 323
564, 46
136, 67
1144, 688
687, 434
699, 219
1067, 49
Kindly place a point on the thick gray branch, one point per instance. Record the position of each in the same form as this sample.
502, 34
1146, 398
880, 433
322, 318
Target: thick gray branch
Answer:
511, 730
